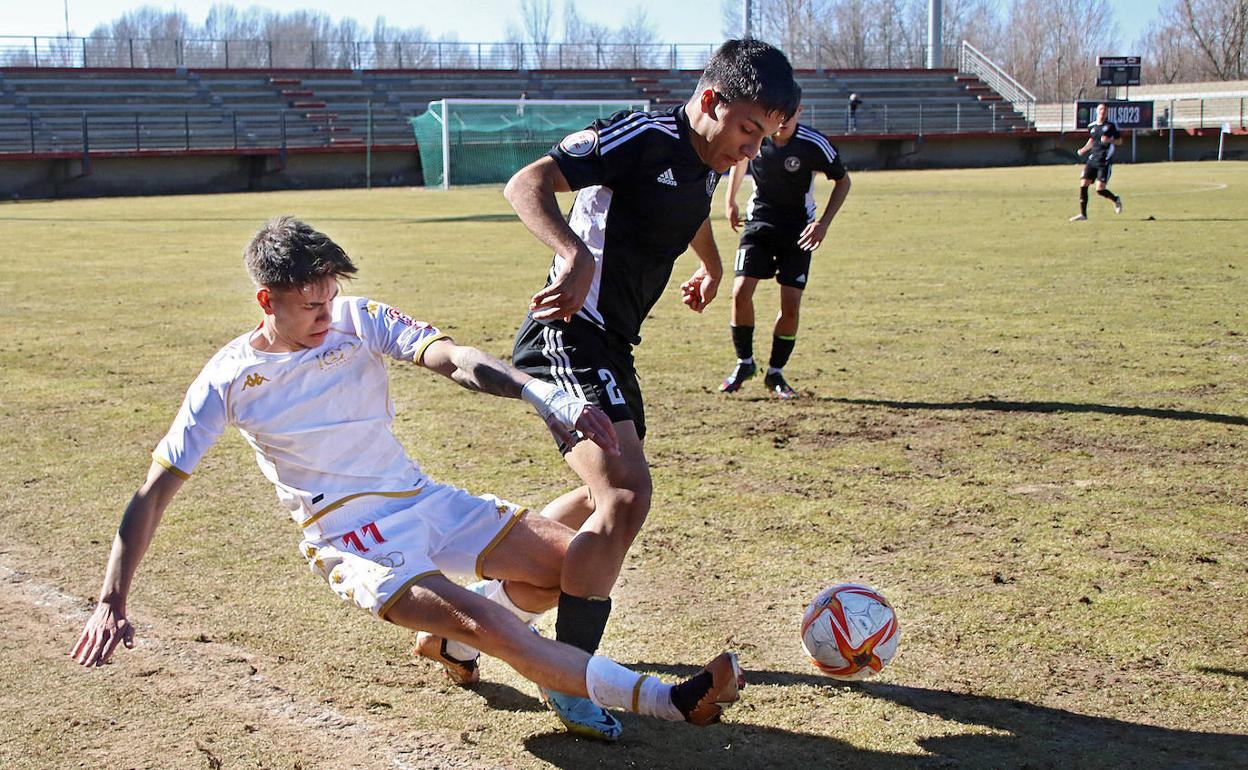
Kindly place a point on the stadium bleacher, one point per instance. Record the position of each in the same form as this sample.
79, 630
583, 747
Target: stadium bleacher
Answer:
46, 110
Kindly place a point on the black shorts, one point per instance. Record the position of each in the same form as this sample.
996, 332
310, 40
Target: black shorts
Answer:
1098, 171
767, 250
586, 362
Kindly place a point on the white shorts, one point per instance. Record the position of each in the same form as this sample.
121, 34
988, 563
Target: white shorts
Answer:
444, 530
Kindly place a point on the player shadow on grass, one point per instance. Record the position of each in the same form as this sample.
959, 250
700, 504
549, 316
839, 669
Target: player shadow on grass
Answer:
500, 217
1026, 735
1047, 407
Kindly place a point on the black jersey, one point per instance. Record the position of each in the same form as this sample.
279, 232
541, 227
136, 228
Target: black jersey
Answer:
643, 194
784, 177
1102, 153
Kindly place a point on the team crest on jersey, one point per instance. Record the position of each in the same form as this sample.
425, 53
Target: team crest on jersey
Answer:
580, 144
372, 308
712, 179
792, 163
337, 355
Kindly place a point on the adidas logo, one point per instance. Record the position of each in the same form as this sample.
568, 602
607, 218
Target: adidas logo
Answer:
667, 178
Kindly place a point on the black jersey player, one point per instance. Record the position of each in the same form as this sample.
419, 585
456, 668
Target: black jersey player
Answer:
780, 233
1103, 137
644, 183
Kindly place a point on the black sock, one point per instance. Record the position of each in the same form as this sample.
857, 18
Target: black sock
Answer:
743, 341
781, 349
581, 622
1083, 201
1107, 194
685, 696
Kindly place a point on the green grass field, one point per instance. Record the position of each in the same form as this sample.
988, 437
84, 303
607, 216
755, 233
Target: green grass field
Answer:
1030, 434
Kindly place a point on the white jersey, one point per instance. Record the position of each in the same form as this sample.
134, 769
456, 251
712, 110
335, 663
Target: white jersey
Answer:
319, 419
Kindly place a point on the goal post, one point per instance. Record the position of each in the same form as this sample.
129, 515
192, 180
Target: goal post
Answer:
479, 141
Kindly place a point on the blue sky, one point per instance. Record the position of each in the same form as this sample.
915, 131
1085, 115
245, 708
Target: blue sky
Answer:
685, 21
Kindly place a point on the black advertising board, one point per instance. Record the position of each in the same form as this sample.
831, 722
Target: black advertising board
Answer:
1124, 114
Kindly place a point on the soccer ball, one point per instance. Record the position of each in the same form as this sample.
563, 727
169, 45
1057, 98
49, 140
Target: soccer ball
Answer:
850, 632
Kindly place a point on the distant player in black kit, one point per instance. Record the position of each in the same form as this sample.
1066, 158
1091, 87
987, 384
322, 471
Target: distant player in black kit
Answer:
1103, 137
645, 182
780, 233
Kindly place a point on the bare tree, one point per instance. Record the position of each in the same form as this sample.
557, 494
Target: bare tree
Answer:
1217, 31
1052, 45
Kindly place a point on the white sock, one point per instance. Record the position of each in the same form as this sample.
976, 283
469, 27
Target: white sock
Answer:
773, 370
749, 360
611, 685
495, 592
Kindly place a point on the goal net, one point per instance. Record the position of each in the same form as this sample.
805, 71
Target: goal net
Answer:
476, 141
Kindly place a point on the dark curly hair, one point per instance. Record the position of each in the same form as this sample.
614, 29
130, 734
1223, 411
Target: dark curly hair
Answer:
754, 70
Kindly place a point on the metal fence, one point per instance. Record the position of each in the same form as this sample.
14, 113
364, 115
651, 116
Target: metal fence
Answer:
147, 53
61, 130
1167, 113
144, 53
82, 132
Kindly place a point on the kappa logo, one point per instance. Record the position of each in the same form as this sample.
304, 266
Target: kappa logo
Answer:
254, 381
666, 178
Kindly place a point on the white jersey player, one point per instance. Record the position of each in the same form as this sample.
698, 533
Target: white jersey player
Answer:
308, 390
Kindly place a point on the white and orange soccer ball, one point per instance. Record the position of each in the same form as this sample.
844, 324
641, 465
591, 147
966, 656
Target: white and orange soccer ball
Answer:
850, 632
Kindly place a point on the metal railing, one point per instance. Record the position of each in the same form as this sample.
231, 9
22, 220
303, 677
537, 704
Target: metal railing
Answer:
149, 53
152, 53
54, 130
83, 132
1167, 113
972, 61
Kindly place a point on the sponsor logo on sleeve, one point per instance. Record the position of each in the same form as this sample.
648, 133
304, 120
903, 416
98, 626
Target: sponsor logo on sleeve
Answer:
712, 179
394, 314
579, 144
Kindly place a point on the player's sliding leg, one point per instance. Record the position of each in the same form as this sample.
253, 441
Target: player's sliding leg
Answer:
742, 333
461, 661
531, 555
450, 611
784, 338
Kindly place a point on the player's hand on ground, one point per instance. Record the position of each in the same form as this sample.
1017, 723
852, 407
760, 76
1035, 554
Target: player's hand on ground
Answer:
812, 236
566, 294
734, 215
699, 290
104, 629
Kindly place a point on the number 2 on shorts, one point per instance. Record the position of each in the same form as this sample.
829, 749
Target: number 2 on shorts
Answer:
613, 390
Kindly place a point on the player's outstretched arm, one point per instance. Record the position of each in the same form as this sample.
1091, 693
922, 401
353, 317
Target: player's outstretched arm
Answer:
735, 175
703, 285
814, 233
531, 192
1087, 147
108, 624
563, 413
